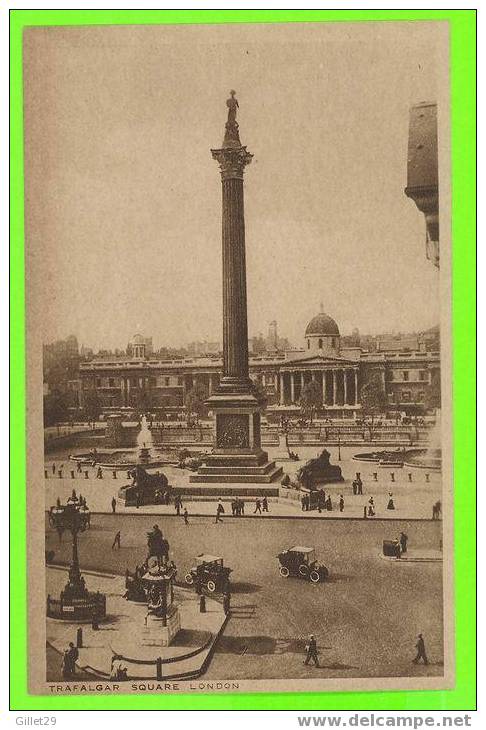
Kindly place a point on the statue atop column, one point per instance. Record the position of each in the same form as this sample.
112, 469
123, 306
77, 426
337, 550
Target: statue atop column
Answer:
232, 137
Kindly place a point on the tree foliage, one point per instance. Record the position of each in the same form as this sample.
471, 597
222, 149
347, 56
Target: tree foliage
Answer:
92, 405
310, 399
55, 408
195, 401
373, 397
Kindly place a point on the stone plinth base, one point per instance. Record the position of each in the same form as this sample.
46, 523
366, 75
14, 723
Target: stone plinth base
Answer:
164, 635
237, 457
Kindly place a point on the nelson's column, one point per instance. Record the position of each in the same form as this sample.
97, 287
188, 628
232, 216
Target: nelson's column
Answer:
237, 455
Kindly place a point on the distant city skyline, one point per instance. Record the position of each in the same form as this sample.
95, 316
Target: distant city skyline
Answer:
128, 209
186, 345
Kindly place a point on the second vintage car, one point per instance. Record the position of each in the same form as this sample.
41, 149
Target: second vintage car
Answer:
209, 572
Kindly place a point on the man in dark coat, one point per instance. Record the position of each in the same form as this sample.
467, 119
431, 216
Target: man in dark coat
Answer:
420, 646
113, 505
312, 651
403, 542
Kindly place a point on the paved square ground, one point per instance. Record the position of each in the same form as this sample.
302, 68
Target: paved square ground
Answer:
365, 618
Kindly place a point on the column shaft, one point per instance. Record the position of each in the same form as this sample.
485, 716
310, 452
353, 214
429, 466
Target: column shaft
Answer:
292, 388
235, 327
345, 384
334, 387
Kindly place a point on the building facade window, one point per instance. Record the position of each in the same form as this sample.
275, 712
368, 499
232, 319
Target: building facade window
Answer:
405, 375
320, 344
167, 381
180, 381
406, 396
423, 375
111, 382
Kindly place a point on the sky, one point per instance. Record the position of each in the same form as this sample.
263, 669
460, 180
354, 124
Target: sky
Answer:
123, 199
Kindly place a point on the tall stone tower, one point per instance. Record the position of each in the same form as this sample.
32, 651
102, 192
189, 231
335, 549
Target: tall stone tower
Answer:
237, 455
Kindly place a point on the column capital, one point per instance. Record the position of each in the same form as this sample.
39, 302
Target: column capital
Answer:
232, 162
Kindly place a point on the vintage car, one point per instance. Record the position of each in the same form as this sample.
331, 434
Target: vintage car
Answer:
301, 562
209, 572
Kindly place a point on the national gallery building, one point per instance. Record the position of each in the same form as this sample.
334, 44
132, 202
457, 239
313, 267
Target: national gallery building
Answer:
340, 371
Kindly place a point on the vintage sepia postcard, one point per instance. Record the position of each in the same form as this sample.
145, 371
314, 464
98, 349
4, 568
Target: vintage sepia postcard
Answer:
238, 337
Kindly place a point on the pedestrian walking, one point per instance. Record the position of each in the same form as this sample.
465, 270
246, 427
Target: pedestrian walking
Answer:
420, 646
234, 507
365, 512
186, 516
53, 467
311, 649
219, 512
355, 487
329, 504
242, 507
341, 503
302, 501
67, 671
73, 654
403, 542
258, 507
79, 467
265, 504
117, 541
391, 504
113, 505
99, 473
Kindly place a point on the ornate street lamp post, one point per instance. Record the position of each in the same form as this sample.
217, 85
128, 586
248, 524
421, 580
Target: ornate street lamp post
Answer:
75, 601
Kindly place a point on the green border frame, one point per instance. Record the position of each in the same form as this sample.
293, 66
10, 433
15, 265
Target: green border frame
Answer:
462, 25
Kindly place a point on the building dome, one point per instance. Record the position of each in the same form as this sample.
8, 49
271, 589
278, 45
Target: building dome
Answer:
138, 339
322, 324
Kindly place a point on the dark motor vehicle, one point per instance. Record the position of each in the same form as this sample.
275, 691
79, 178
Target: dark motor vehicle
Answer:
301, 561
209, 572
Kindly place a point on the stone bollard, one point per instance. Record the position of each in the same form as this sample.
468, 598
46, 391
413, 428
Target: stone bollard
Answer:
114, 473
94, 622
427, 477
86, 475
159, 668
409, 476
46, 476
79, 638
72, 473
60, 473
202, 604
375, 476
392, 476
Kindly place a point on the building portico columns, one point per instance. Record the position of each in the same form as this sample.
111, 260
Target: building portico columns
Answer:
345, 387
292, 388
355, 387
323, 387
334, 387
282, 400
